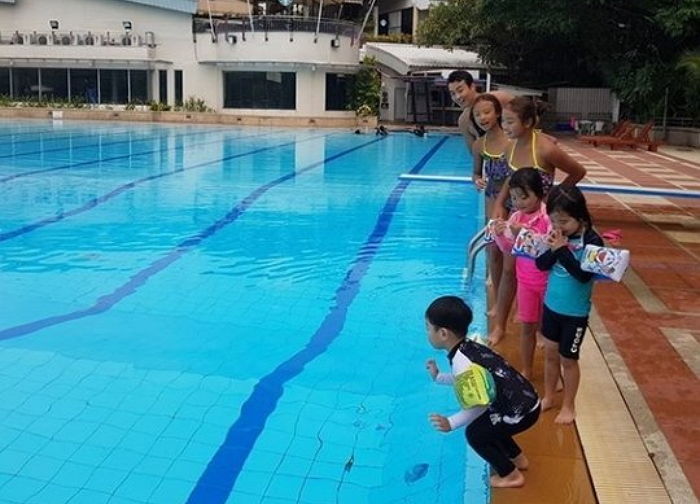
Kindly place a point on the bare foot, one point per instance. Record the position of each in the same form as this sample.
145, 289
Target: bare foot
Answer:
540, 341
565, 416
547, 403
495, 336
513, 480
521, 462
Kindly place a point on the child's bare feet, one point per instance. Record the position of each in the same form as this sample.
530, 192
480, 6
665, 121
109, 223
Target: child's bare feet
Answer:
521, 462
540, 341
565, 416
495, 336
513, 480
547, 403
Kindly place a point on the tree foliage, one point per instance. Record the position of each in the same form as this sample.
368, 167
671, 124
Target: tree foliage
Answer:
366, 91
632, 46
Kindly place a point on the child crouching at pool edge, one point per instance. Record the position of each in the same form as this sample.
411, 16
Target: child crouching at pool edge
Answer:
497, 402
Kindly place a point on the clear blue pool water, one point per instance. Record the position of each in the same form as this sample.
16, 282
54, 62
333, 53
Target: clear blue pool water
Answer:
209, 315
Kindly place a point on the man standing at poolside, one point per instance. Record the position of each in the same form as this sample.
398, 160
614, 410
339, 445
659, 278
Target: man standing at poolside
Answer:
463, 93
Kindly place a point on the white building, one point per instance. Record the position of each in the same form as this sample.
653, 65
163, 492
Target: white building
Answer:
131, 51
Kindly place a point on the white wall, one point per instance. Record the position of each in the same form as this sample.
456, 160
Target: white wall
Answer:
201, 63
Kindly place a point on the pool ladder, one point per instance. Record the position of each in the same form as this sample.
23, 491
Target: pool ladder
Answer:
476, 245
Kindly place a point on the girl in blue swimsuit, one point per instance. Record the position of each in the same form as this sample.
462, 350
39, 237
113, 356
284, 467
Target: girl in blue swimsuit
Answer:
491, 169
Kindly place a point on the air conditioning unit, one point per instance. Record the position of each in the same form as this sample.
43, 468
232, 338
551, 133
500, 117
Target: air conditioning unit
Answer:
64, 39
41, 39
335, 43
135, 39
78, 39
91, 39
231, 38
150, 39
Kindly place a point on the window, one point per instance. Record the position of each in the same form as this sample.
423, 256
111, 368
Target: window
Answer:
178, 87
54, 83
407, 21
338, 89
163, 86
260, 90
4, 81
113, 86
139, 85
25, 82
83, 85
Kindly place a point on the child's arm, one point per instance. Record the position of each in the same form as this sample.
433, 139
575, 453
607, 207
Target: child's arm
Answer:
436, 375
546, 261
554, 156
569, 261
459, 419
478, 164
503, 233
499, 207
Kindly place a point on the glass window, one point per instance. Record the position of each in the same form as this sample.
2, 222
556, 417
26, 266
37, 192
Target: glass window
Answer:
25, 82
113, 86
260, 90
83, 85
338, 89
178, 87
163, 86
139, 86
54, 83
5, 81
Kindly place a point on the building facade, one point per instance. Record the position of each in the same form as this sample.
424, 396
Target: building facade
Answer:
120, 52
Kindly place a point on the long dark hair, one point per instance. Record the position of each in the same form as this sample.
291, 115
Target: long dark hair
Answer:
527, 109
527, 180
569, 200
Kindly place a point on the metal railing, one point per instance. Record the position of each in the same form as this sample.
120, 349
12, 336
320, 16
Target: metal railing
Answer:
265, 24
73, 38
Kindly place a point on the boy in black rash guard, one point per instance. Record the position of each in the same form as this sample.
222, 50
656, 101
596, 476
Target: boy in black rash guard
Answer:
497, 401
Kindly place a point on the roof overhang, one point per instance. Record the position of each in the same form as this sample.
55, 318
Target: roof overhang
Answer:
83, 63
404, 59
187, 6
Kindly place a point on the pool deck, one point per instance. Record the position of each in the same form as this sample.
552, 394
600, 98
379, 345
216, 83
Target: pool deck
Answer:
637, 436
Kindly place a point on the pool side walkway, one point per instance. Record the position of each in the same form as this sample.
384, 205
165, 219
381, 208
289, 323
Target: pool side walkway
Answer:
637, 437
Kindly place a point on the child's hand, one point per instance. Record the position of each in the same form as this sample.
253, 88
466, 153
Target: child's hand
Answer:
479, 182
432, 368
499, 227
440, 422
555, 239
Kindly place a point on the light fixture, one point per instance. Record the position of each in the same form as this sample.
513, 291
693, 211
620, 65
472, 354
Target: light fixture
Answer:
53, 24
126, 25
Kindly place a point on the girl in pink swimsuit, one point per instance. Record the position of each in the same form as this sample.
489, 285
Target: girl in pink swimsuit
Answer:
527, 192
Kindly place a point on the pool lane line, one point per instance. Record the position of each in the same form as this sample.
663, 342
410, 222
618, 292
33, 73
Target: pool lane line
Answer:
52, 130
94, 202
71, 134
99, 144
215, 484
139, 278
117, 158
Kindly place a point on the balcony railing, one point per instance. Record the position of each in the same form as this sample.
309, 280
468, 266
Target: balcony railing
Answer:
264, 24
125, 39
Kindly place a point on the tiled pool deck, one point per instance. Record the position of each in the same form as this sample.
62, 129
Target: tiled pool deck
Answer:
639, 403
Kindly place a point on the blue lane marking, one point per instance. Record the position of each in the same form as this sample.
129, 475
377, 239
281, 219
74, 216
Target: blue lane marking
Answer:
216, 482
52, 130
107, 301
116, 158
92, 203
99, 144
64, 137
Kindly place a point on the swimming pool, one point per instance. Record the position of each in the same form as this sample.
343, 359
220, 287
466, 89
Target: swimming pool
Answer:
207, 315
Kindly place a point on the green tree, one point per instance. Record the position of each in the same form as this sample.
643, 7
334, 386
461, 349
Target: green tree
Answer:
633, 46
365, 95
